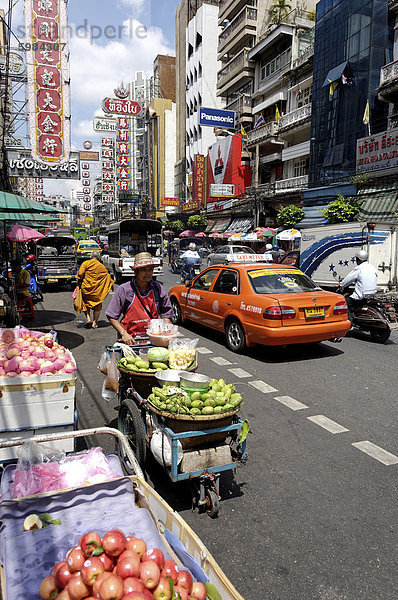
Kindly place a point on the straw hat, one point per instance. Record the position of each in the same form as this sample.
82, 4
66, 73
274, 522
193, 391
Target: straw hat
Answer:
143, 259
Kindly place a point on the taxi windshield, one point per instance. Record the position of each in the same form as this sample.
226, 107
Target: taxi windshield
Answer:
280, 281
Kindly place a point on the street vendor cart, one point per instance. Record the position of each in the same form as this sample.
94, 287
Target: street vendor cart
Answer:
29, 556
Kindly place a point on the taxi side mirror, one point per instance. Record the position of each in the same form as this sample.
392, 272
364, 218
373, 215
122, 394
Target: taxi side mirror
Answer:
188, 283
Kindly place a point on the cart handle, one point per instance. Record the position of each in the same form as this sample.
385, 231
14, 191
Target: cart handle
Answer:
51, 437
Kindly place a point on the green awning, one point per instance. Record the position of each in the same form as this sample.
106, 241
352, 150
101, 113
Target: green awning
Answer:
24, 217
380, 203
13, 202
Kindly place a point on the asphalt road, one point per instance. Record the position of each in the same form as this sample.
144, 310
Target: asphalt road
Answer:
313, 514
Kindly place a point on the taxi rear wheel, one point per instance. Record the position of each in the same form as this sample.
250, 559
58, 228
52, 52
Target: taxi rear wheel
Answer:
235, 336
176, 319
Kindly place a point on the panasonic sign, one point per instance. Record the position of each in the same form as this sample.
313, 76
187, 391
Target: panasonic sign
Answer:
214, 117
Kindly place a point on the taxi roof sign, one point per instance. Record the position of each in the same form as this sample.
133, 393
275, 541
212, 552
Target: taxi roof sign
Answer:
245, 258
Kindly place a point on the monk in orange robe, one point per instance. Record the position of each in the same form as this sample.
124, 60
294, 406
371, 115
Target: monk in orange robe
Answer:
95, 284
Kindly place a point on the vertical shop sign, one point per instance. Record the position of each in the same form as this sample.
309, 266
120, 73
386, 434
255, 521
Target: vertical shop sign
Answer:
47, 59
108, 170
123, 155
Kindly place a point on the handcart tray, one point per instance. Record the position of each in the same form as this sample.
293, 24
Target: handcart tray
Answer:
144, 382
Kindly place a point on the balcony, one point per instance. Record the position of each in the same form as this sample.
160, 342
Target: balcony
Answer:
239, 68
242, 26
262, 134
388, 88
304, 57
229, 8
291, 184
241, 105
295, 118
263, 191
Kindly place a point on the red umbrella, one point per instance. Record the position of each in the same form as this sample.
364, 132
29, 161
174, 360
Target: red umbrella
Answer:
21, 233
188, 233
216, 235
201, 234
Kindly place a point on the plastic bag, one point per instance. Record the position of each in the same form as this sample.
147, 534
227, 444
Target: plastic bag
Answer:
103, 362
107, 395
32, 453
78, 301
74, 294
161, 327
182, 353
161, 448
112, 377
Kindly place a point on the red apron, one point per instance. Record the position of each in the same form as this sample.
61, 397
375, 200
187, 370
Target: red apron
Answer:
136, 320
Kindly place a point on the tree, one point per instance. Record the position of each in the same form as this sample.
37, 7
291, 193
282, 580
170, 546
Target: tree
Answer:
289, 216
279, 11
197, 221
177, 226
342, 210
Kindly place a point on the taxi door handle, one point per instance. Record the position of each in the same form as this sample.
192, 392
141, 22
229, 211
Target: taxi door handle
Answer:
228, 303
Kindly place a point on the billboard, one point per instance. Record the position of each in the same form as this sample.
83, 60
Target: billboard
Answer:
379, 151
47, 59
214, 117
171, 202
23, 165
199, 185
224, 170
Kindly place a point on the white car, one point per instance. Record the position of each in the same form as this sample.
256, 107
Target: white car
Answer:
227, 253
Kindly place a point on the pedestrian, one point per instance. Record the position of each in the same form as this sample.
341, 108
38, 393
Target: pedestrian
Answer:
268, 253
364, 276
95, 284
139, 301
22, 280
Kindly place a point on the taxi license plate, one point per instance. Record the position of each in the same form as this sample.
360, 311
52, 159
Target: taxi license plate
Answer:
52, 280
315, 312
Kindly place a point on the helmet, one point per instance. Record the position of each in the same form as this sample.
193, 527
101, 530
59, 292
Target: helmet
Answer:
275, 247
192, 246
31, 258
268, 247
361, 255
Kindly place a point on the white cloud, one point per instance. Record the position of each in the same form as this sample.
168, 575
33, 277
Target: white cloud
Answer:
136, 6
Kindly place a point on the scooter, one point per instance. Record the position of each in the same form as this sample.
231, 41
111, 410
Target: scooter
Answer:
377, 315
188, 272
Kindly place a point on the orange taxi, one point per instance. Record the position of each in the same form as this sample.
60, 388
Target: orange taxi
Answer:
261, 303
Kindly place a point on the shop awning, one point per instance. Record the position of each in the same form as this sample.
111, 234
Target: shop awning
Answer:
335, 74
24, 217
14, 203
241, 225
380, 204
209, 226
220, 224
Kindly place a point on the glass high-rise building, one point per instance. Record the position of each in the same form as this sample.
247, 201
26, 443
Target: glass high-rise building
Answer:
353, 40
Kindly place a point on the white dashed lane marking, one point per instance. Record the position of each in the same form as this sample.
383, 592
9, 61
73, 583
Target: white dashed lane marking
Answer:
291, 402
386, 458
221, 361
263, 387
328, 424
240, 373
203, 350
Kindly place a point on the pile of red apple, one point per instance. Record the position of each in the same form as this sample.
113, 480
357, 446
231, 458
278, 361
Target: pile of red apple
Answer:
117, 567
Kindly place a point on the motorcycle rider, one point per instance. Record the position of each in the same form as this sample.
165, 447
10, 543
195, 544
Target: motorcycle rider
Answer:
276, 255
268, 253
364, 276
189, 259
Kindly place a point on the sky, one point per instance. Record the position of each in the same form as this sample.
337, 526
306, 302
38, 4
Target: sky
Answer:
109, 42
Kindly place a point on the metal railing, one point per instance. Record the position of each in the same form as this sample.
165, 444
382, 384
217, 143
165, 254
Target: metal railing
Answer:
248, 13
291, 183
244, 101
236, 65
293, 117
304, 56
389, 73
265, 131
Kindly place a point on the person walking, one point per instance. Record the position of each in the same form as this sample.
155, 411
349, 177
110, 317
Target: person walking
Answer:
95, 284
139, 301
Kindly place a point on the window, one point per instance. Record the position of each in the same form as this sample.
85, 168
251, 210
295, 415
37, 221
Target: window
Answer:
278, 281
204, 281
223, 250
305, 97
273, 63
300, 167
227, 282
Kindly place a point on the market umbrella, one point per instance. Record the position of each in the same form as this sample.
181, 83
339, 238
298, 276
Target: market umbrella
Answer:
188, 233
168, 232
288, 235
201, 234
216, 235
22, 233
267, 232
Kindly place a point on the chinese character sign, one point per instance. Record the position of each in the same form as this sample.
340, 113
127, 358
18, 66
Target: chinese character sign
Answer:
123, 155
48, 80
108, 170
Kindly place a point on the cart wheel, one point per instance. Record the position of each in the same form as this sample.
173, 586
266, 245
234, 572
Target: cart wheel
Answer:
130, 423
212, 503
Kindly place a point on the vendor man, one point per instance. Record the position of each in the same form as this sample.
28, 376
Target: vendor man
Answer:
22, 280
137, 302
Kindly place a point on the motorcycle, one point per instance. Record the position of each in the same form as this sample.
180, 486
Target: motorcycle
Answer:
188, 272
34, 288
377, 315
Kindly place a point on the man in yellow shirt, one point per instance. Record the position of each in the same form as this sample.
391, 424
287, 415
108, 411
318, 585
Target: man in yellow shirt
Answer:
22, 280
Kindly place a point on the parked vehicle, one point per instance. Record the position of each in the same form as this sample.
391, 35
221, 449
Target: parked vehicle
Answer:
231, 253
126, 239
55, 260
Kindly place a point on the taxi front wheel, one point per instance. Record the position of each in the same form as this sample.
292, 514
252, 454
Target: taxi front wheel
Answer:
176, 319
235, 336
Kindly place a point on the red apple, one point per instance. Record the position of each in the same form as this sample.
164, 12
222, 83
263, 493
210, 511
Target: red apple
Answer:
128, 567
170, 569
49, 343
185, 580
111, 588
107, 561
163, 591
64, 595
128, 553
136, 544
89, 542
48, 588
114, 542
98, 582
133, 584
56, 567
91, 568
182, 592
198, 591
154, 554
77, 589
149, 574
148, 595
75, 559
134, 596
62, 575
